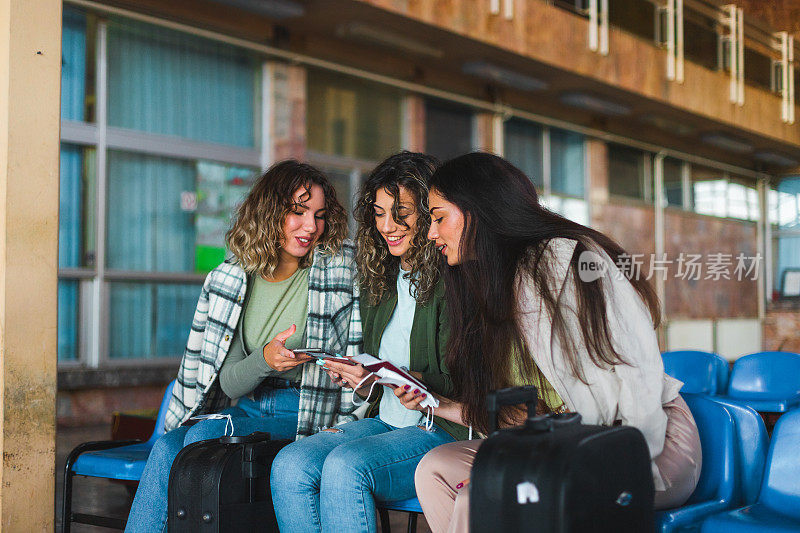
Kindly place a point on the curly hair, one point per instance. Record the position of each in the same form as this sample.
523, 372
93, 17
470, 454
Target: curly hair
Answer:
376, 266
257, 228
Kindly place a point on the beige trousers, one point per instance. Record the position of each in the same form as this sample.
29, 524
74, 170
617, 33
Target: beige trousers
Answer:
443, 470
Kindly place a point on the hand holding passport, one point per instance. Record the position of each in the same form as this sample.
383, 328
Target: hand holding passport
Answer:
386, 372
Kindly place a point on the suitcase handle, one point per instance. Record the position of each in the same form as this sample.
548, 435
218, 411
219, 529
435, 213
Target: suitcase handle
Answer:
257, 436
553, 421
511, 396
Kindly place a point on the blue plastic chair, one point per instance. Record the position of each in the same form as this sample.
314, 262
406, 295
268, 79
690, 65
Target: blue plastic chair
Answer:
769, 382
778, 507
112, 459
410, 506
716, 488
701, 372
752, 445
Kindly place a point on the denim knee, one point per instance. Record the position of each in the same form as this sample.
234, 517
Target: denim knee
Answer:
205, 430
167, 447
291, 468
342, 467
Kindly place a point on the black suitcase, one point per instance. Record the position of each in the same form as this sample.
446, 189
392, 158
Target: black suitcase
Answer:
222, 485
554, 474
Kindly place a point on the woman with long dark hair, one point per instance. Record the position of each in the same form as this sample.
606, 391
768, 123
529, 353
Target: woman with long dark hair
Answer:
330, 481
288, 284
526, 307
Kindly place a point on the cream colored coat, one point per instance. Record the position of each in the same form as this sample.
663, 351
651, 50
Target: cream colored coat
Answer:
632, 393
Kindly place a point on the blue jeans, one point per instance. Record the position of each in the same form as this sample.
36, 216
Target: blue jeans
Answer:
274, 411
330, 481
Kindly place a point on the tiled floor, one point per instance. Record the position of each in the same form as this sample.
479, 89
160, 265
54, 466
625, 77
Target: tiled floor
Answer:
104, 497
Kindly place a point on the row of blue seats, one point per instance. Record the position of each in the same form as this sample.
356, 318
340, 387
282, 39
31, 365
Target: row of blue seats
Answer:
748, 483
766, 381
736, 450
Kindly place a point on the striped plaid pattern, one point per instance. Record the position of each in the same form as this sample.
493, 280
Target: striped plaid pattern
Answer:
334, 323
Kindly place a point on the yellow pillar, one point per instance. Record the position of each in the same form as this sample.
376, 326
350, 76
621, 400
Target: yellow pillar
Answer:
30, 66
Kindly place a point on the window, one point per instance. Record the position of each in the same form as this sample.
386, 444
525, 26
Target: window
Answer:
576, 6
701, 42
149, 320
138, 233
557, 173
567, 174
718, 194
673, 182
629, 172
522, 142
784, 209
758, 69
351, 117
633, 16
709, 191
76, 242
77, 66
743, 199
448, 129
165, 82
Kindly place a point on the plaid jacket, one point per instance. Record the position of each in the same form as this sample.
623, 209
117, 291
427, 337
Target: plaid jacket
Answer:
334, 323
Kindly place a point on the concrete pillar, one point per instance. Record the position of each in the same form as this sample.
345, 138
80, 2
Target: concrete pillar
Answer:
487, 136
30, 67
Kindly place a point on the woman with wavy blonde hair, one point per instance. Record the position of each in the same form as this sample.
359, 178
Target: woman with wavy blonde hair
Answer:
289, 284
334, 477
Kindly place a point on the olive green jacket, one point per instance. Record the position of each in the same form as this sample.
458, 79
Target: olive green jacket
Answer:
429, 333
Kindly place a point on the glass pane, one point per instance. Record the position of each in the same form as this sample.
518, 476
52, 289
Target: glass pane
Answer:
76, 242
219, 191
571, 208
523, 147
566, 162
710, 191
147, 229
77, 65
701, 47
68, 320
673, 181
170, 215
757, 69
576, 6
166, 82
448, 129
634, 16
785, 204
352, 117
742, 200
788, 254
627, 171
149, 321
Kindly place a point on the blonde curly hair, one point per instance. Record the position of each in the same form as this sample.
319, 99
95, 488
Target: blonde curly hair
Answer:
257, 229
376, 266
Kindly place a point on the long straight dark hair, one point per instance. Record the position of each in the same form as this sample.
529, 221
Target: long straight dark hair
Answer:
506, 229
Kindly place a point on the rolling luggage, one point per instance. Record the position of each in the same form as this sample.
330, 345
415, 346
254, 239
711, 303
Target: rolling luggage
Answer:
554, 474
222, 485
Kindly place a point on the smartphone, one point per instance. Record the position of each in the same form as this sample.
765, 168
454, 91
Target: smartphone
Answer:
322, 355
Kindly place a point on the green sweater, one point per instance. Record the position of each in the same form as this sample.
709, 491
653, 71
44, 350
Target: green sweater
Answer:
429, 333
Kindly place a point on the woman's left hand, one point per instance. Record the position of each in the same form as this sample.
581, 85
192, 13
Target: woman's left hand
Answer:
410, 397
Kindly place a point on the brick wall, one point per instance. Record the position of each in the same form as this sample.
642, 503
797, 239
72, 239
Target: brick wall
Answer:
95, 406
709, 298
782, 329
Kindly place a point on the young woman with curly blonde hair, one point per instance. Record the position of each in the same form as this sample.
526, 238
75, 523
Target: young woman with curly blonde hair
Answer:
289, 284
332, 479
